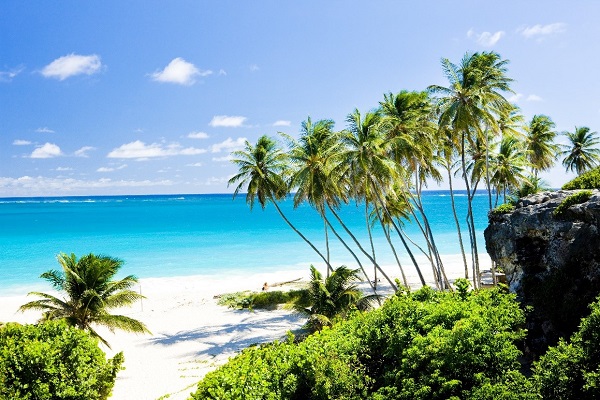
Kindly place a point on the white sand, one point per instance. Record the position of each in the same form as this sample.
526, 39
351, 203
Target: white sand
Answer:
191, 334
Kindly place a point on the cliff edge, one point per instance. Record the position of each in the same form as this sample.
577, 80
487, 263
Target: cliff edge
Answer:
552, 262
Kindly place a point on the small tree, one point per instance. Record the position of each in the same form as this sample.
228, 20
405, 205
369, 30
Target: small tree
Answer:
332, 297
52, 361
89, 294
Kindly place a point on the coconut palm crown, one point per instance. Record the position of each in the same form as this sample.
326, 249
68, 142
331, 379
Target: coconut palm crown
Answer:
332, 297
581, 154
88, 294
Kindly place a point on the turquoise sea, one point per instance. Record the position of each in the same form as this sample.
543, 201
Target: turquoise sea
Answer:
180, 235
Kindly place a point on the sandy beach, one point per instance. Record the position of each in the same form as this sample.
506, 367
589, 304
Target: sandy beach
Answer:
191, 334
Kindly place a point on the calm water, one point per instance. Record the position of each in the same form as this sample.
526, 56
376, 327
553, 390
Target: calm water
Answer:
174, 235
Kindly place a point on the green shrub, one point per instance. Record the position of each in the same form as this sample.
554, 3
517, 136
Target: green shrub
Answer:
575, 198
587, 180
421, 345
571, 370
52, 361
503, 209
261, 300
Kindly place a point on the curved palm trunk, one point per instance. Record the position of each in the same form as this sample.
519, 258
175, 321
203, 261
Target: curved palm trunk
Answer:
326, 244
300, 233
399, 232
355, 258
370, 239
460, 240
392, 284
386, 231
470, 223
436, 266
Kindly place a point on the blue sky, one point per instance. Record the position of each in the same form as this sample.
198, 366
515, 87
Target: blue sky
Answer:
150, 97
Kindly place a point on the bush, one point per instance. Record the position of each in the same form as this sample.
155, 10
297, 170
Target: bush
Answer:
503, 209
422, 345
262, 300
575, 198
52, 361
571, 370
587, 180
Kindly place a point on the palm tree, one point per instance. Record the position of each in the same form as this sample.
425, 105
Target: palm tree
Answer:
262, 170
365, 161
312, 157
332, 298
541, 149
471, 101
509, 165
581, 154
410, 130
89, 294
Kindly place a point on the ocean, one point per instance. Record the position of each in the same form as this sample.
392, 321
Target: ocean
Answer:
181, 235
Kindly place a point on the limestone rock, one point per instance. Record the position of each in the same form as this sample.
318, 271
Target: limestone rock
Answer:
551, 262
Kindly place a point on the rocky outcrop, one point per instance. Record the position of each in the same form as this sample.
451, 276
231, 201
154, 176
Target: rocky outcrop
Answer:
551, 262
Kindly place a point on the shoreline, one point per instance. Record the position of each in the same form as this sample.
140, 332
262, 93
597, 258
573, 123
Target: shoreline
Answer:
191, 334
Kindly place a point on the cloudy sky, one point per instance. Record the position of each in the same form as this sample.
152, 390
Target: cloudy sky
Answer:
150, 97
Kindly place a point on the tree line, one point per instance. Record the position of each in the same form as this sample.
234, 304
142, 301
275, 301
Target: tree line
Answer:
384, 158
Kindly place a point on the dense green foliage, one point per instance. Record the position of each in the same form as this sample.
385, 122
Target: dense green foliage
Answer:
331, 298
89, 294
422, 345
587, 180
572, 370
52, 361
503, 209
262, 300
575, 198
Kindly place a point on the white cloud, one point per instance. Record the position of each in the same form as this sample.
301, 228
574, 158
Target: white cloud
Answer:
141, 150
486, 39
82, 152
226, 158
7, 76
227, 121
254, 67
195, 165
282, 123
60, 169
229, 145
222, 72
19, 142
44, 130
41, 185
534, 97
47, 150
197, 135
213, 180
542, 30
179, 71
111, 169
71, 65
515, 98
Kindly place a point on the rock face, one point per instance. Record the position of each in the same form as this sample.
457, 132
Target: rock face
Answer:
551, 262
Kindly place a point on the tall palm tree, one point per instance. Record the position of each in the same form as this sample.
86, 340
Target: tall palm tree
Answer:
332, 298
472, 100
262, 171
509, 166
447, 149
581, 153
365, 161
89, 293
312, 157
410, 130
541, 149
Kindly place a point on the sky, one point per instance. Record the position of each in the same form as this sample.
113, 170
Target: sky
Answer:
150, 97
